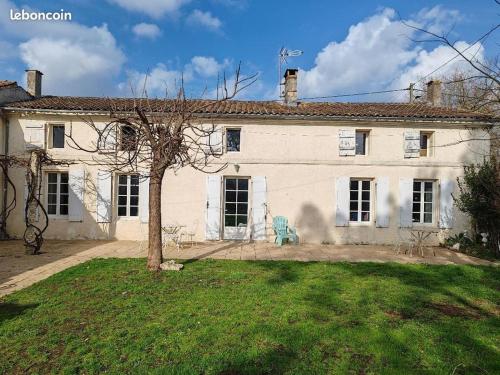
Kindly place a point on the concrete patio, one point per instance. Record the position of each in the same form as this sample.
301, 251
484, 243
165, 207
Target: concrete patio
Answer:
18, 270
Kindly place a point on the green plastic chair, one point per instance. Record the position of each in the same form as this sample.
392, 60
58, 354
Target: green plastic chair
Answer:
283, 231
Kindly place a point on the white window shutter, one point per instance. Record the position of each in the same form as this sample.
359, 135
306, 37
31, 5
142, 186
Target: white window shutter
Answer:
34, 136
446, 219
104, 197
412, 144
259, 192
108, 141
342, 204
215, 141
383, 207
347, 142
76, 181
213, 223
144, 199
405, 202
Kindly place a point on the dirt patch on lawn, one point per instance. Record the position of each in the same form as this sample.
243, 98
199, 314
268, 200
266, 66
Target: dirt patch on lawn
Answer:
455, 311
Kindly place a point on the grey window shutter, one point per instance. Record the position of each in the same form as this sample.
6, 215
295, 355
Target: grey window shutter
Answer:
104, 196
259, 192
446, 219
383, 206
213, 223
347, 142
342, 203
144, 199
76, 181
405, 202
34, 136
412, 144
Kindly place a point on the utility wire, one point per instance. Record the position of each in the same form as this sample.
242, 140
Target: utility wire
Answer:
354, 94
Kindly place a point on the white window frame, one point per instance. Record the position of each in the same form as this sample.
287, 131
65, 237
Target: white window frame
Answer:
51, 136
422, 202
225, 139
128, 197
367, 141
360, 200
430, 142
58, 195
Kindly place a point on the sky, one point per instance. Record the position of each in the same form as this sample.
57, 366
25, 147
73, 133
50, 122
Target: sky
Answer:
110, 46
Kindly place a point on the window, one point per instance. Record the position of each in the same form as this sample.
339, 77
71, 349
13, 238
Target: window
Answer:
128, 195
128, 138
57, 193
422, 210
236, 202
233, 140
361, 142
57, 140
359, 203
425, 143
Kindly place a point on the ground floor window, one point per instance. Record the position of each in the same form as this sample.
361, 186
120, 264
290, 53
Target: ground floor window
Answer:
57, 193
423, 201
128, 195
360, 197
235, 202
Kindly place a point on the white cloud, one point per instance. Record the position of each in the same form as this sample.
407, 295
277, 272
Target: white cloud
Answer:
146, 30
208, 66
153, 8
205, 19
378, 54
75, 59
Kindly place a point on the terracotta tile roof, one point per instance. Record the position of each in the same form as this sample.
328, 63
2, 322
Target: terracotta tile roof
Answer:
4, 83
257, 108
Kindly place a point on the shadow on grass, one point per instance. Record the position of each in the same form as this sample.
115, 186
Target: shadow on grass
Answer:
12, 310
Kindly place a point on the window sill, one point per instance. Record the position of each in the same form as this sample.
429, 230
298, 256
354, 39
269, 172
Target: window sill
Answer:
127, 218
58, 217
360, 223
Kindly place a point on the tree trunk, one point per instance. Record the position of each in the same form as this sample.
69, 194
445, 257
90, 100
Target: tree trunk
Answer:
155, 257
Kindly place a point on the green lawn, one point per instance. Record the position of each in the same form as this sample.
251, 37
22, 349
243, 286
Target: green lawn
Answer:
235, 317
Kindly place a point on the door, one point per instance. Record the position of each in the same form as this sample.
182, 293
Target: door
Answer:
235, 208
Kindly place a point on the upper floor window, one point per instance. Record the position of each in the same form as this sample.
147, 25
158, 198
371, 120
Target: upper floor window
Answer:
425, 143
362, 142
359, 203
423, 201
128, 138
57, 136
233, 137
57, 193
128, 195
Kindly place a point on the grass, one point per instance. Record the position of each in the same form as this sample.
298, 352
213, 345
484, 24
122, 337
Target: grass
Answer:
232, 317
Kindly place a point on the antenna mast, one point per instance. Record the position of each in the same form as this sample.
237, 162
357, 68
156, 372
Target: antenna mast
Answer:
282, 59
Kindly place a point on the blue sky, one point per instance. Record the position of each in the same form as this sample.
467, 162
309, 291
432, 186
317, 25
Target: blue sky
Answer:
349, 47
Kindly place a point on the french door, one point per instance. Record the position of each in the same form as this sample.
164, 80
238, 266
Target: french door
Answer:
235, 208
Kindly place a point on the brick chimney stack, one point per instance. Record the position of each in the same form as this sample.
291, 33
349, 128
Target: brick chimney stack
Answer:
290, 93
434, 93
34, 82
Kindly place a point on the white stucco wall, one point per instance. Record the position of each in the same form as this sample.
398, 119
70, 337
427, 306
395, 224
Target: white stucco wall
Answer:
300, 161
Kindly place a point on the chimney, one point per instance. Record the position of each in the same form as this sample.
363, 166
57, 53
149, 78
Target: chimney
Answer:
34, 82
290, 92
434, 93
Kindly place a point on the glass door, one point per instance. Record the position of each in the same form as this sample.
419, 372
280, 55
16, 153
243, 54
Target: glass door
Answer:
235, 208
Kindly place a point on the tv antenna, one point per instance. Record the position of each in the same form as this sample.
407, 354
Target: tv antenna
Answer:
284, 54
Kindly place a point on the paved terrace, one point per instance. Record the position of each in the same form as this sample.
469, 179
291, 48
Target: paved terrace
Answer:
18, 270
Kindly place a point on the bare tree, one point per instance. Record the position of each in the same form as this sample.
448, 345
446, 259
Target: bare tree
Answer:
157, 135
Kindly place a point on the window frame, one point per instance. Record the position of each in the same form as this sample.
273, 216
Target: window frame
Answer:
430, 142
121, 140
422, 202
227, 130
367, 140
58, 194
128, 196
51, 135
360, 200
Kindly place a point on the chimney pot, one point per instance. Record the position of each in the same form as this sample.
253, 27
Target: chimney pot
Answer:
434, 93
290, 93
34, 82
